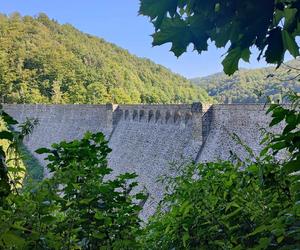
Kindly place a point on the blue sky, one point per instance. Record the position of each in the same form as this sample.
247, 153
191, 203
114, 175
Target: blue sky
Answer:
117, 21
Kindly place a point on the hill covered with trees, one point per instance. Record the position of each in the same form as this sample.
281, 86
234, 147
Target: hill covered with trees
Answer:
42, 61
252, 86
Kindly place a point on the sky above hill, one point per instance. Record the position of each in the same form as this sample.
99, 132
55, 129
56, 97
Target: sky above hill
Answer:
117, 21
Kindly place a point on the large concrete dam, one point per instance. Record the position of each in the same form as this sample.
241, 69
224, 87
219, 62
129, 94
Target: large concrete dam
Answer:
149, 139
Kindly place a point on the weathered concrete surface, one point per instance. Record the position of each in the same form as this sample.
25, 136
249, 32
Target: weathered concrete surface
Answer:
61, 122
148, 139
223, 121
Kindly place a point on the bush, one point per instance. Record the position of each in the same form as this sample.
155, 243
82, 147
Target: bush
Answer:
78, 207
218, 206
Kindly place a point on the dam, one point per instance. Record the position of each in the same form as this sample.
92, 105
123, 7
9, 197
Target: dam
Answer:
149, 139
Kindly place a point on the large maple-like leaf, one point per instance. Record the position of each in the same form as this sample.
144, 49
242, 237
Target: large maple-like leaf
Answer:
157, 10
176, 32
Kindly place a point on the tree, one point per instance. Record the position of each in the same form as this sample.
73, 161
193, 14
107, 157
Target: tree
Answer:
271, 26
63, 65
78, 207
56, 93
96, 93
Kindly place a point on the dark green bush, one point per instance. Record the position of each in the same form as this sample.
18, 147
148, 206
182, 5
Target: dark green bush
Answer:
78, 207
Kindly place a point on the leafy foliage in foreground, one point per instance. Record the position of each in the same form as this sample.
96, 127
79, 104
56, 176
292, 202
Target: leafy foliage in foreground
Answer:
12, 158
20, 155
236, 205
252, 85
42, 61
271, 26
77, 208
226, 208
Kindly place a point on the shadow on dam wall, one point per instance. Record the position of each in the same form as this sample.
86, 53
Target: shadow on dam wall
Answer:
148, 139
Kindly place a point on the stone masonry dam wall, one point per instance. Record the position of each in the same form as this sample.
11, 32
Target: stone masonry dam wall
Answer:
221, 122
61, 122
149, 139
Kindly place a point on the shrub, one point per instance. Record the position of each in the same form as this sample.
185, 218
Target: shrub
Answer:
79, 207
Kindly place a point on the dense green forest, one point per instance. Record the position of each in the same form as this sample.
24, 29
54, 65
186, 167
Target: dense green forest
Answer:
42, 61
252, 86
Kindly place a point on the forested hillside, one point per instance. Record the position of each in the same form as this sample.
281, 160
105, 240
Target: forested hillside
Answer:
42, 61
252, 86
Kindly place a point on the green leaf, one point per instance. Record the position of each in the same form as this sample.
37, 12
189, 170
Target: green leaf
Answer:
199, 39
292, 166
272, 107
176, 32
43, 151
16, 170
264, 243
140, 196
99, 215
259, 229
246, 55
264, 151
279, 145
276, 120
279, 14
290, 43
280, 239
288, 129
157, 10
275, 50
2, 153
18, 227
13, 240
289, 16
239, 247
6, 135
8, 119
231, 61
99, 236
185, 239
217, 7
235, 212
86, 201
48, 219
291, 119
